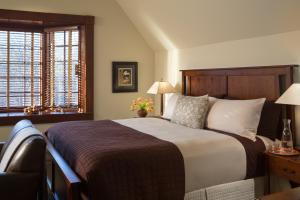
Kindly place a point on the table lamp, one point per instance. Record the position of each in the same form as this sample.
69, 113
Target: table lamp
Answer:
161, 87
290, 97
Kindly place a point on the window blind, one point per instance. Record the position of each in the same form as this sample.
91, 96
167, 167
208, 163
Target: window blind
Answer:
20, 69
63, 73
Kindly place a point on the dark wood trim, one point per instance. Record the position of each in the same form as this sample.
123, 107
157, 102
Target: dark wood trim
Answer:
89, 63
62, 28
20, 27
242, 68
45, 19
12, 118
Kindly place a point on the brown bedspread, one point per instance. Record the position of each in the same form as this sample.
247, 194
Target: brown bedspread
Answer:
254, 154
120, 163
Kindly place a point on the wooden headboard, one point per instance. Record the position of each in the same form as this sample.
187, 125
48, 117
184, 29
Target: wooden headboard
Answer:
240, 83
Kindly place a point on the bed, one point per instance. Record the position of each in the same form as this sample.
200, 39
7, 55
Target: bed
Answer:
212, 151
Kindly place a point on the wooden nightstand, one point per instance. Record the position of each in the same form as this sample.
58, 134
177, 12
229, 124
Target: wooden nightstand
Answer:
293, 194
283, 166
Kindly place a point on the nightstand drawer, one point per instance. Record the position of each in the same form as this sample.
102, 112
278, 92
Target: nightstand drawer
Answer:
285, 168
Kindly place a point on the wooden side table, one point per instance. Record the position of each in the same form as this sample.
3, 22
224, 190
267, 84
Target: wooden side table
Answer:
292, 194
283, 166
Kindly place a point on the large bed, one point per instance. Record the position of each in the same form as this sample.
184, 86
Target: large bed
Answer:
167, 160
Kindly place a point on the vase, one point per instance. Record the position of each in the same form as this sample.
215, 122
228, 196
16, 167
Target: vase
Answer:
287, 138
142, 113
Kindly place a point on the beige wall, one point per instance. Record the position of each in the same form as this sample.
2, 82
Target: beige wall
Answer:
168, 24
116, 39
268, 50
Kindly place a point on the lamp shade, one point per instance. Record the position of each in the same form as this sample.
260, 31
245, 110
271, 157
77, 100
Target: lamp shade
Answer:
161, 87
291, 96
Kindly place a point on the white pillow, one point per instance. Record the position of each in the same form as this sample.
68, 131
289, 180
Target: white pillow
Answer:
171, 103
240, 117
211, 102
170, 106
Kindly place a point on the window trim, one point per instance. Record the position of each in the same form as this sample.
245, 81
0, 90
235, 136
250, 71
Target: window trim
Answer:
37, 21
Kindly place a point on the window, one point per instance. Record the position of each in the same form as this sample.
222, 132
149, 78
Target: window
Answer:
64, 69
21, 70
46, 60
20, 67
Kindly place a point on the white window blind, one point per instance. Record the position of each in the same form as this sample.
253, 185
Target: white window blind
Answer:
20, 69
63, 76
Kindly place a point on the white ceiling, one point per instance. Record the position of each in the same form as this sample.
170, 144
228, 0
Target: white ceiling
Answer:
177, 24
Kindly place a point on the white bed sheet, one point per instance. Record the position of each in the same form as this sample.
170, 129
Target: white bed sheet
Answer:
210, 158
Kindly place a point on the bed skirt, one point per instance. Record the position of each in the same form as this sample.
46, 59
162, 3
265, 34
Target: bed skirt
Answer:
239, 190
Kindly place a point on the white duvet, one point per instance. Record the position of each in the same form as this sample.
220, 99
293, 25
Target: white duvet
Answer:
210, 158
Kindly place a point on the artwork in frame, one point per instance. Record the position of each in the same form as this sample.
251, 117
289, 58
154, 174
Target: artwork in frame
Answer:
124, 77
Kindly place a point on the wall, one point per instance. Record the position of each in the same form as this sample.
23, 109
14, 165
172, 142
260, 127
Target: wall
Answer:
185, 24
260, 51
116, 39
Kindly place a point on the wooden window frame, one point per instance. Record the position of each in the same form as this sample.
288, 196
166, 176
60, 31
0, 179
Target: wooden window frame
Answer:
37, 21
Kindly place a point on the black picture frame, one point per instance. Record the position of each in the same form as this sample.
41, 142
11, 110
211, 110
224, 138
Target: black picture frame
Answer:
124, 77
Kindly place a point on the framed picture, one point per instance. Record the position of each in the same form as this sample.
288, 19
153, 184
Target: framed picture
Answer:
124, 77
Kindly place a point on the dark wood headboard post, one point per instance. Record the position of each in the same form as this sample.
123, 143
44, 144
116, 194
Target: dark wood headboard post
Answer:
183, 89
241, 83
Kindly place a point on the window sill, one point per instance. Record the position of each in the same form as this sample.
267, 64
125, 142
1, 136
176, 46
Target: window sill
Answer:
13, 118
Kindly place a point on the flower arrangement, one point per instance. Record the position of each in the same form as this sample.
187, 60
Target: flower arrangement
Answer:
142, 105
32, 110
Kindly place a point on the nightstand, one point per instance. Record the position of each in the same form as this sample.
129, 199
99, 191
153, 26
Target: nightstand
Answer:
283, 166
292, 194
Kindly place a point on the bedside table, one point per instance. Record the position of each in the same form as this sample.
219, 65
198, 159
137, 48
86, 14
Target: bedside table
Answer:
292, 194
283, 166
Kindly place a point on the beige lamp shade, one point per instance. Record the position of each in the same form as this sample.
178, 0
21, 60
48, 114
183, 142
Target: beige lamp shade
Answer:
161, 87
291, 96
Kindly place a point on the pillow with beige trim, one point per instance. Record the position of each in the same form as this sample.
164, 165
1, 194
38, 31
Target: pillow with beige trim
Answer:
190, 111
240, 117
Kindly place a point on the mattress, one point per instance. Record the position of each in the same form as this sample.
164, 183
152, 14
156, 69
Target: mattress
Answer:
210, 158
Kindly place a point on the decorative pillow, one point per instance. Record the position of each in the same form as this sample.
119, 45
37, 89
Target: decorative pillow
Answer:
171, 103
190, 111
236, 116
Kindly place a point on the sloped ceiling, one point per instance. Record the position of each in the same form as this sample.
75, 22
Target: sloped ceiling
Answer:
178, 24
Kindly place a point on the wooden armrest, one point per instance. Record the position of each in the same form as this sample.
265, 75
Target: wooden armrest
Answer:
61, 172
70, 176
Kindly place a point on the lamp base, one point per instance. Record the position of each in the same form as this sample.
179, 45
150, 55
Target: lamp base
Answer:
161, 104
